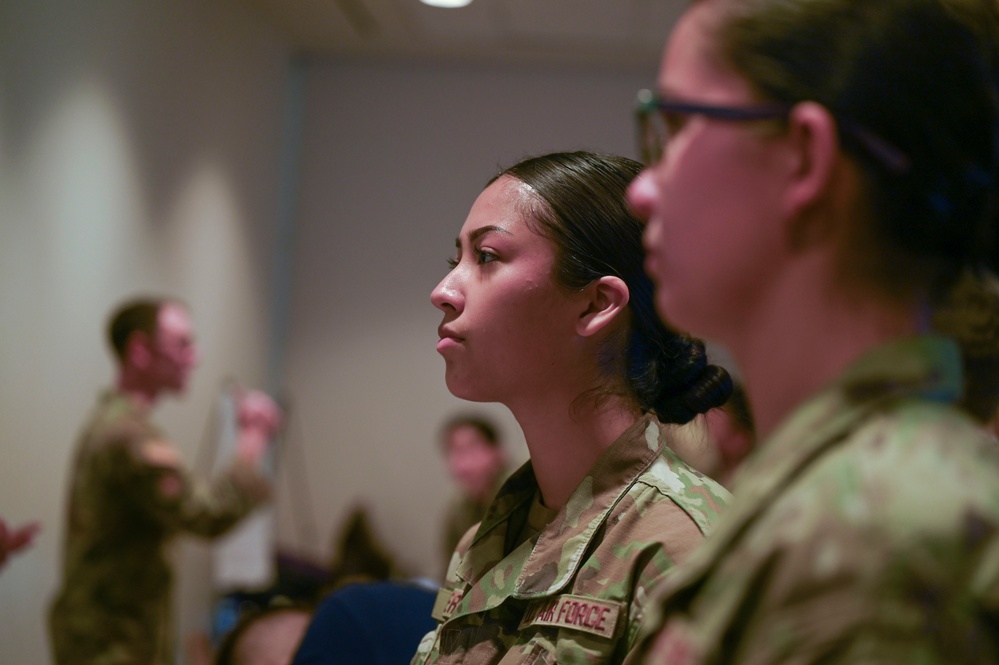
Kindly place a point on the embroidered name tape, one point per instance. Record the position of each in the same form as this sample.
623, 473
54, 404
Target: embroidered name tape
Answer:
446, 603
591, 615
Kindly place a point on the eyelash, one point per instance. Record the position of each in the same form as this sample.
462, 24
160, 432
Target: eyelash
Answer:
480, 256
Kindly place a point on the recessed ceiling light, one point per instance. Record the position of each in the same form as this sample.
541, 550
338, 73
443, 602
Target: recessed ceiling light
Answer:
446, 3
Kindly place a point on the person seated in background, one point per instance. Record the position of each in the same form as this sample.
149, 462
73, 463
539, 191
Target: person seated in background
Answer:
265, 637
718, 443
129, 495
476, 462
359, 555
368, 623
547, 310
731, 436
971, 316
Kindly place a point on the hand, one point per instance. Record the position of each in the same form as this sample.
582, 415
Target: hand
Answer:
14, 540
258, 418
257, 411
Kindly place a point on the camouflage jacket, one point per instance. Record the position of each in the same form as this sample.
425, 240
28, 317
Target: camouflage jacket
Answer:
574, 592
866, 530
128, 496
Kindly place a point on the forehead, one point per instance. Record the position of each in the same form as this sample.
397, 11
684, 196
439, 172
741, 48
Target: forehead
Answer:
692, 66
503, 203
174, 319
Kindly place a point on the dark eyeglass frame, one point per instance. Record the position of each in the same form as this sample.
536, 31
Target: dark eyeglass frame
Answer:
652, 143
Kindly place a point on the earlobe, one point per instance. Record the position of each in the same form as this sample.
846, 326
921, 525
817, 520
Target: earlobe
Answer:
607, 298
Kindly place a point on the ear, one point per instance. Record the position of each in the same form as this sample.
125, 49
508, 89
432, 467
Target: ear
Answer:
138, 350
606, 299
814, 142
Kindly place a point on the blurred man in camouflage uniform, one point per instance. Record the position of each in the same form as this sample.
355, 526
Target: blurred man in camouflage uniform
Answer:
476, 461
129, 496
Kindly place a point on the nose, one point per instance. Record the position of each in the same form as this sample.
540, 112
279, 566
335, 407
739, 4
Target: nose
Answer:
447, 295
642, 195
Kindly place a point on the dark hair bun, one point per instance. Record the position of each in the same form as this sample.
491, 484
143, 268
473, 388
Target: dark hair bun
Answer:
677, 383
711, 389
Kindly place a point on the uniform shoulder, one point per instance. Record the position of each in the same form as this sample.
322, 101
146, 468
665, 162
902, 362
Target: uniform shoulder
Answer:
915, 472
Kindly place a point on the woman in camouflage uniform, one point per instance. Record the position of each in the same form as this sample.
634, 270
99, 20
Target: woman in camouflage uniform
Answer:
832, 168
547, 310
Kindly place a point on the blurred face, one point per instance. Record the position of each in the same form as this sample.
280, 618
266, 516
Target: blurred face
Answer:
732, 442
174, 353
273, 640
507, 331
472, 461
709, 203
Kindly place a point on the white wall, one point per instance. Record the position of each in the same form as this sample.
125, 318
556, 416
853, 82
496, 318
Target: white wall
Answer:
394, 156
138, 152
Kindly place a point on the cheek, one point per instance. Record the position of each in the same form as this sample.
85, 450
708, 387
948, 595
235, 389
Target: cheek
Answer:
714, 245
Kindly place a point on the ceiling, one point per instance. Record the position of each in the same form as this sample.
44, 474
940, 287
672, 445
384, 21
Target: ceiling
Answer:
528, 31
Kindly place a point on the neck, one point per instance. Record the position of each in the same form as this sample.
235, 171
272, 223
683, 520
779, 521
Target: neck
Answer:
565, 442
130, 384
806, 336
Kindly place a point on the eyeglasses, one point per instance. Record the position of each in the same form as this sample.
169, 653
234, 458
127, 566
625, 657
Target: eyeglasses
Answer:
655, 115
654, 119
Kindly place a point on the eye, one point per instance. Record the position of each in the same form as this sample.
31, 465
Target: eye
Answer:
452, 263
484, 256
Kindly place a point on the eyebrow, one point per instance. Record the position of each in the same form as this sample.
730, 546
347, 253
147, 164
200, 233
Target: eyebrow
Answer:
481, 231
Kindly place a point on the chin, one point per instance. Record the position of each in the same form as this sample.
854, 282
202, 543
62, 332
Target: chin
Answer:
464, 390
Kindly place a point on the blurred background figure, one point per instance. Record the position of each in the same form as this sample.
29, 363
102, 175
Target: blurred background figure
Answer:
266, 637
971, 316
13, 540
359, 554
368, 623
130, 495
731, 436
477, 462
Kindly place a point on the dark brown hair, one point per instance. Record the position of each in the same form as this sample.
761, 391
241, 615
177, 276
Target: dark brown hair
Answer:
922, 75
578, 202
138, 315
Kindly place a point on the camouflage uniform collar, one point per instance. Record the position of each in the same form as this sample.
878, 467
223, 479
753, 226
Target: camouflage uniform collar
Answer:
549, 564
112, 397
926, 367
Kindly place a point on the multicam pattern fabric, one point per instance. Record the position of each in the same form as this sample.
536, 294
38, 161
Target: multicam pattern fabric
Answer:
574, 592
461, 515
865, 531
128, 498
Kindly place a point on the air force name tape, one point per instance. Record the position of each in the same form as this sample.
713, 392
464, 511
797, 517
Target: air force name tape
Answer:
446, 603
590, 615
598, 617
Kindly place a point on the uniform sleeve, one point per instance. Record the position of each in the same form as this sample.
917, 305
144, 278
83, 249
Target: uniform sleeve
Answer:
147, 471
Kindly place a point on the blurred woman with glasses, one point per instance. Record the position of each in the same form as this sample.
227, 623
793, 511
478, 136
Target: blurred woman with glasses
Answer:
831, 171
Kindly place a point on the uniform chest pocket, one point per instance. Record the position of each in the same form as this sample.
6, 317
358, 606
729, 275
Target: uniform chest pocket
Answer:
535, 654
481, 645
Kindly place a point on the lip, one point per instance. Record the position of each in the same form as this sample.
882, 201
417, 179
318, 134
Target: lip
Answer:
448, 339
